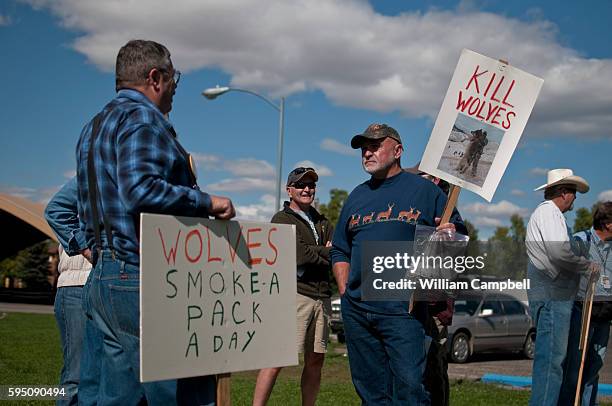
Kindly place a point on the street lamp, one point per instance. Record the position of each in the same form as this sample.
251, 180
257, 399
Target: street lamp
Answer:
214, 92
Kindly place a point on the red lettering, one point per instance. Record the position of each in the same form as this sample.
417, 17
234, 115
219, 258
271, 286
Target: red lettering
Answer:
211, 259
173, 250
475, 102
491, 111
506, 123
498, 115
192, 233
232, 247
497, 88
480, 109
272, 262
508, 93
462, 104
474, 79
253, 261
490, 83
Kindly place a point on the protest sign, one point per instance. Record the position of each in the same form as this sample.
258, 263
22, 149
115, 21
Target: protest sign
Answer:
215, 296
483, 115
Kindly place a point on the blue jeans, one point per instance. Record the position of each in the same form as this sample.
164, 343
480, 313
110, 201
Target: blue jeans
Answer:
89, 384
112, 299
387, 355
70, 319
599, 333
551, 315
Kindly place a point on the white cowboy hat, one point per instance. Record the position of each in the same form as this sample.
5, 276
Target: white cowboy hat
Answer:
565, 177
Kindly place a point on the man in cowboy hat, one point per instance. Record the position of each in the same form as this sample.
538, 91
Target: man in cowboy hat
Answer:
554, 271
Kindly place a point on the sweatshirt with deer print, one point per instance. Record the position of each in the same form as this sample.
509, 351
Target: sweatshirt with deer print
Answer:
385, 210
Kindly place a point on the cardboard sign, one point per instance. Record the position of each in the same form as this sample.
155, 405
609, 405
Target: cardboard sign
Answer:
480, 123
215, 296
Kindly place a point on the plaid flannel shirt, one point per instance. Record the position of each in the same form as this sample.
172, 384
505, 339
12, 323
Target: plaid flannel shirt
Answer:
140, 167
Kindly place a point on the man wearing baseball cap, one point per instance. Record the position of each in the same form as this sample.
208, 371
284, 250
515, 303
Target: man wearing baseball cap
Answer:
554, 272
385, 343
313, 239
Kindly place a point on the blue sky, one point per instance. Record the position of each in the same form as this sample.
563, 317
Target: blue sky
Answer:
340, 64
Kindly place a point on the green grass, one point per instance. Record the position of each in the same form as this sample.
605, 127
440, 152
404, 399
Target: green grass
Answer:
30, 355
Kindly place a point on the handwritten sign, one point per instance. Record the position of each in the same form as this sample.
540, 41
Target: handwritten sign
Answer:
483, 115
215, 296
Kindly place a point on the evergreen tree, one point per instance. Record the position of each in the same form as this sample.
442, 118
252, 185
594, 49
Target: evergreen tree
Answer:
332, 209
583, 220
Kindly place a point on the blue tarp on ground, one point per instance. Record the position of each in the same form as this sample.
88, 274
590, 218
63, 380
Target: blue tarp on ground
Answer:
525, 381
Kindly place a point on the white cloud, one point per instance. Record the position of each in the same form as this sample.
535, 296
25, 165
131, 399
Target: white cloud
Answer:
605, 196
5, 20
249, 167
18, 191
208, 162
242, 185
538, 171
487, 222
286, 46
503, 209
70, 174
42, 195
329, 144
517, 192
261, 211
321, 170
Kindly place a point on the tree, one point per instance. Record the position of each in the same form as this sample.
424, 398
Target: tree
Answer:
583, 220
31, 265
518, 231
332, 209
472, 230
517, 249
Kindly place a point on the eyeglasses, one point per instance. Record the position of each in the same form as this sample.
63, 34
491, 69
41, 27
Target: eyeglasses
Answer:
301, 169
304, 185
176, 76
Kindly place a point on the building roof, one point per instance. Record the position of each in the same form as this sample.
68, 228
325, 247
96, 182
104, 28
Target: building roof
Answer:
22, 223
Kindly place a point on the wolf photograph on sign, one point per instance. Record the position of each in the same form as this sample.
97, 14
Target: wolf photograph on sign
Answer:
470, 149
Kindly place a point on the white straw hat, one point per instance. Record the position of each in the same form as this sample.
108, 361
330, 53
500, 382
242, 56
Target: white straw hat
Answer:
565, 177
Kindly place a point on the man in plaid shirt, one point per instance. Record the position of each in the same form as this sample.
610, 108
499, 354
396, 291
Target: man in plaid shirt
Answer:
138, 166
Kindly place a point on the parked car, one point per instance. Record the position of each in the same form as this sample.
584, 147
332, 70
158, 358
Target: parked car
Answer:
336, 324
487, 322
483, 322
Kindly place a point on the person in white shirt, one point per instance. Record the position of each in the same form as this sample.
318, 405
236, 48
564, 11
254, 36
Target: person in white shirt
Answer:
554, 271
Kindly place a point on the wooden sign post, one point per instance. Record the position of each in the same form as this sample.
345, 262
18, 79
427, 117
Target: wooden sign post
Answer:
587, 308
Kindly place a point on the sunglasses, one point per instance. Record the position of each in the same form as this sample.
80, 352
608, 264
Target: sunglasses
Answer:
304, 185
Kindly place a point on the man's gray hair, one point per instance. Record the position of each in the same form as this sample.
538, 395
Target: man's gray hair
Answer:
136, 59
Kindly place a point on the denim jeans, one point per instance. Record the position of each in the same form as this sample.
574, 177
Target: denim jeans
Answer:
112, 298
91, 363
70, 319
387, 355
550, 305
599, 333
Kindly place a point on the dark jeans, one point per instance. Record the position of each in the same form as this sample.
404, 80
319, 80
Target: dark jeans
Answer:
436, 371
112, 298
387, 354
70, 319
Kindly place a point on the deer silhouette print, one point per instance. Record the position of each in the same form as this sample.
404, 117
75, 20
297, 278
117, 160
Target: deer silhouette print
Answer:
384, 215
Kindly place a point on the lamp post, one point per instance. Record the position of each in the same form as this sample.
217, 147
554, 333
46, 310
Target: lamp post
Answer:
214, 92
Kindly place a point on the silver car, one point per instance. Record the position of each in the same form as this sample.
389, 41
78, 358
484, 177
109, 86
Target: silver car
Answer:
486, 322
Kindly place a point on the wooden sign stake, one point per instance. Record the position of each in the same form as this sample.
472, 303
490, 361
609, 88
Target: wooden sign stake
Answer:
224, 397
587, 308
453, 196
